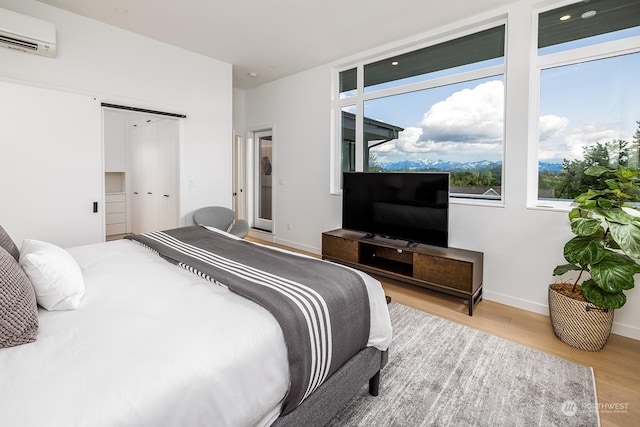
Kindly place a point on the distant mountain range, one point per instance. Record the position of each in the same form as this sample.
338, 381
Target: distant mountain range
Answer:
549, 167
443, 165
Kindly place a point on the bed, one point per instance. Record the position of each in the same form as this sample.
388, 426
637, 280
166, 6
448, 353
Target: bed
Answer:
155, 341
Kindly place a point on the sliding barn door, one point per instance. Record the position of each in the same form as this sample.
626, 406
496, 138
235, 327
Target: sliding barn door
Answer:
51, 168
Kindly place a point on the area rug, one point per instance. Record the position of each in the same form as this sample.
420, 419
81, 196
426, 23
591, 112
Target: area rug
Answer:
441, 373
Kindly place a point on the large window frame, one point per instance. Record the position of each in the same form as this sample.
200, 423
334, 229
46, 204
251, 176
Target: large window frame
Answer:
356, 100
541, 62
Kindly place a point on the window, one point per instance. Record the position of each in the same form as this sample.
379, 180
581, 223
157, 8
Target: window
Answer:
589, 105
437, 108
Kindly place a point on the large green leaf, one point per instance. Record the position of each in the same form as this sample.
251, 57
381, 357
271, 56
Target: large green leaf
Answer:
562, 269
587, 197
584, 251
605, 203
585, 226
626, 174
617, 215
632, 189
586, 206
596, 170
628, 237
575, 213
613, 273
611, 244
600, 298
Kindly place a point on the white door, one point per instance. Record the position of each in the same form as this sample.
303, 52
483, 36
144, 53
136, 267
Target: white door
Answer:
166, 200
143, 172
263, 173
51, 165
135, 172
154, 149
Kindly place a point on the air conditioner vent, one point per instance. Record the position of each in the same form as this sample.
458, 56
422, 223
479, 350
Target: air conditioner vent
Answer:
18, 43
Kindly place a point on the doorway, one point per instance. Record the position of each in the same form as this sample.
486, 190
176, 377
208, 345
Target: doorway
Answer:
263, 173
141, 172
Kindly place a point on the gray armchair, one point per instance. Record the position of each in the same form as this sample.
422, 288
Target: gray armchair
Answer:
221, 218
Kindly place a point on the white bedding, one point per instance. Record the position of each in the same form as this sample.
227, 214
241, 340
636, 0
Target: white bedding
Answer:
150, 347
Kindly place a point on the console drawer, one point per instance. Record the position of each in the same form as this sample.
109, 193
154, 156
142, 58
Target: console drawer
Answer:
340, 248
443, 271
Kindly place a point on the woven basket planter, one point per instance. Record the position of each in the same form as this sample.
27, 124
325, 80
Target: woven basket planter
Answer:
578, 323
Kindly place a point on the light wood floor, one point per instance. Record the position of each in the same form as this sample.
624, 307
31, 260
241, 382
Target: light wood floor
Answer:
616, 367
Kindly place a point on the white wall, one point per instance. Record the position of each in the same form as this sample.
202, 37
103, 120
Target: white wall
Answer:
124, 68
299, 110
239, 106
521, 246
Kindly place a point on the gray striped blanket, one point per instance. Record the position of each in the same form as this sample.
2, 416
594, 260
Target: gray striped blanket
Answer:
322, 308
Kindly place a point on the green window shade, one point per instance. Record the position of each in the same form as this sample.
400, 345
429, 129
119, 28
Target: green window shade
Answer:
482, 46
348, 80
586, 19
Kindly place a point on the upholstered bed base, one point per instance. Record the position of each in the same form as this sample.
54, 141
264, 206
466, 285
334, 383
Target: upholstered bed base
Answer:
334, 393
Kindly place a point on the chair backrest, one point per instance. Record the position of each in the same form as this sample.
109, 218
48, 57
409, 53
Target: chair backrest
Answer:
240, 228
215, 216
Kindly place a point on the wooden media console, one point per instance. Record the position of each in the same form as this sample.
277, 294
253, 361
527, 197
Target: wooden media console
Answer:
452, 271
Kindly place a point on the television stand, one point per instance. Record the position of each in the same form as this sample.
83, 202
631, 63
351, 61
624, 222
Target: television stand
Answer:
452, 271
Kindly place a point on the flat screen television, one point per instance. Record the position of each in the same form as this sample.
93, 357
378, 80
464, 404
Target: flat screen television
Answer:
398, 205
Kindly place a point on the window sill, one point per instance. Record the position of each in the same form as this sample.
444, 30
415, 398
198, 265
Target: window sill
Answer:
552, 205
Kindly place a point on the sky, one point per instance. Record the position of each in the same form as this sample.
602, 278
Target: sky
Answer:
462, 122
585, 103
580, 105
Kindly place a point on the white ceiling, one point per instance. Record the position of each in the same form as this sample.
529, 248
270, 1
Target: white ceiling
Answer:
276, 38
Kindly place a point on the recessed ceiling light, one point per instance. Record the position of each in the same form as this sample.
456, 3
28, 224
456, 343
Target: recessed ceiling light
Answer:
252, 74
588, 14
565, 17
394, 63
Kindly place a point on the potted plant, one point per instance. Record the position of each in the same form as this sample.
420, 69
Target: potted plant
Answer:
603, 254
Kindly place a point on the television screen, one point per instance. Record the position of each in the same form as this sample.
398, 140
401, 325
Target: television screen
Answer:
406, 206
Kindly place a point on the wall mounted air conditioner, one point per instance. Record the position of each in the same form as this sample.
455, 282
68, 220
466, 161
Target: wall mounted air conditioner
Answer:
27, 34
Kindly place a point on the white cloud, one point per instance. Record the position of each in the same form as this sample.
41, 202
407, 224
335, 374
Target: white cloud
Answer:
590, 134
409, 140
470, 115
571, 145
551, 126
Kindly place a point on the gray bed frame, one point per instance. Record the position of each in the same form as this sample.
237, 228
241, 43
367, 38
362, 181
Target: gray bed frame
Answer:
332, 396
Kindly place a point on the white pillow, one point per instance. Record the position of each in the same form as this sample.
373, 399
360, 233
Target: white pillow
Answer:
54, 273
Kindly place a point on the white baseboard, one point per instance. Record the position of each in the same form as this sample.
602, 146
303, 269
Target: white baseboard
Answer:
298, 246
618, 328
516, 302
262, 235
272, 238
626, 330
